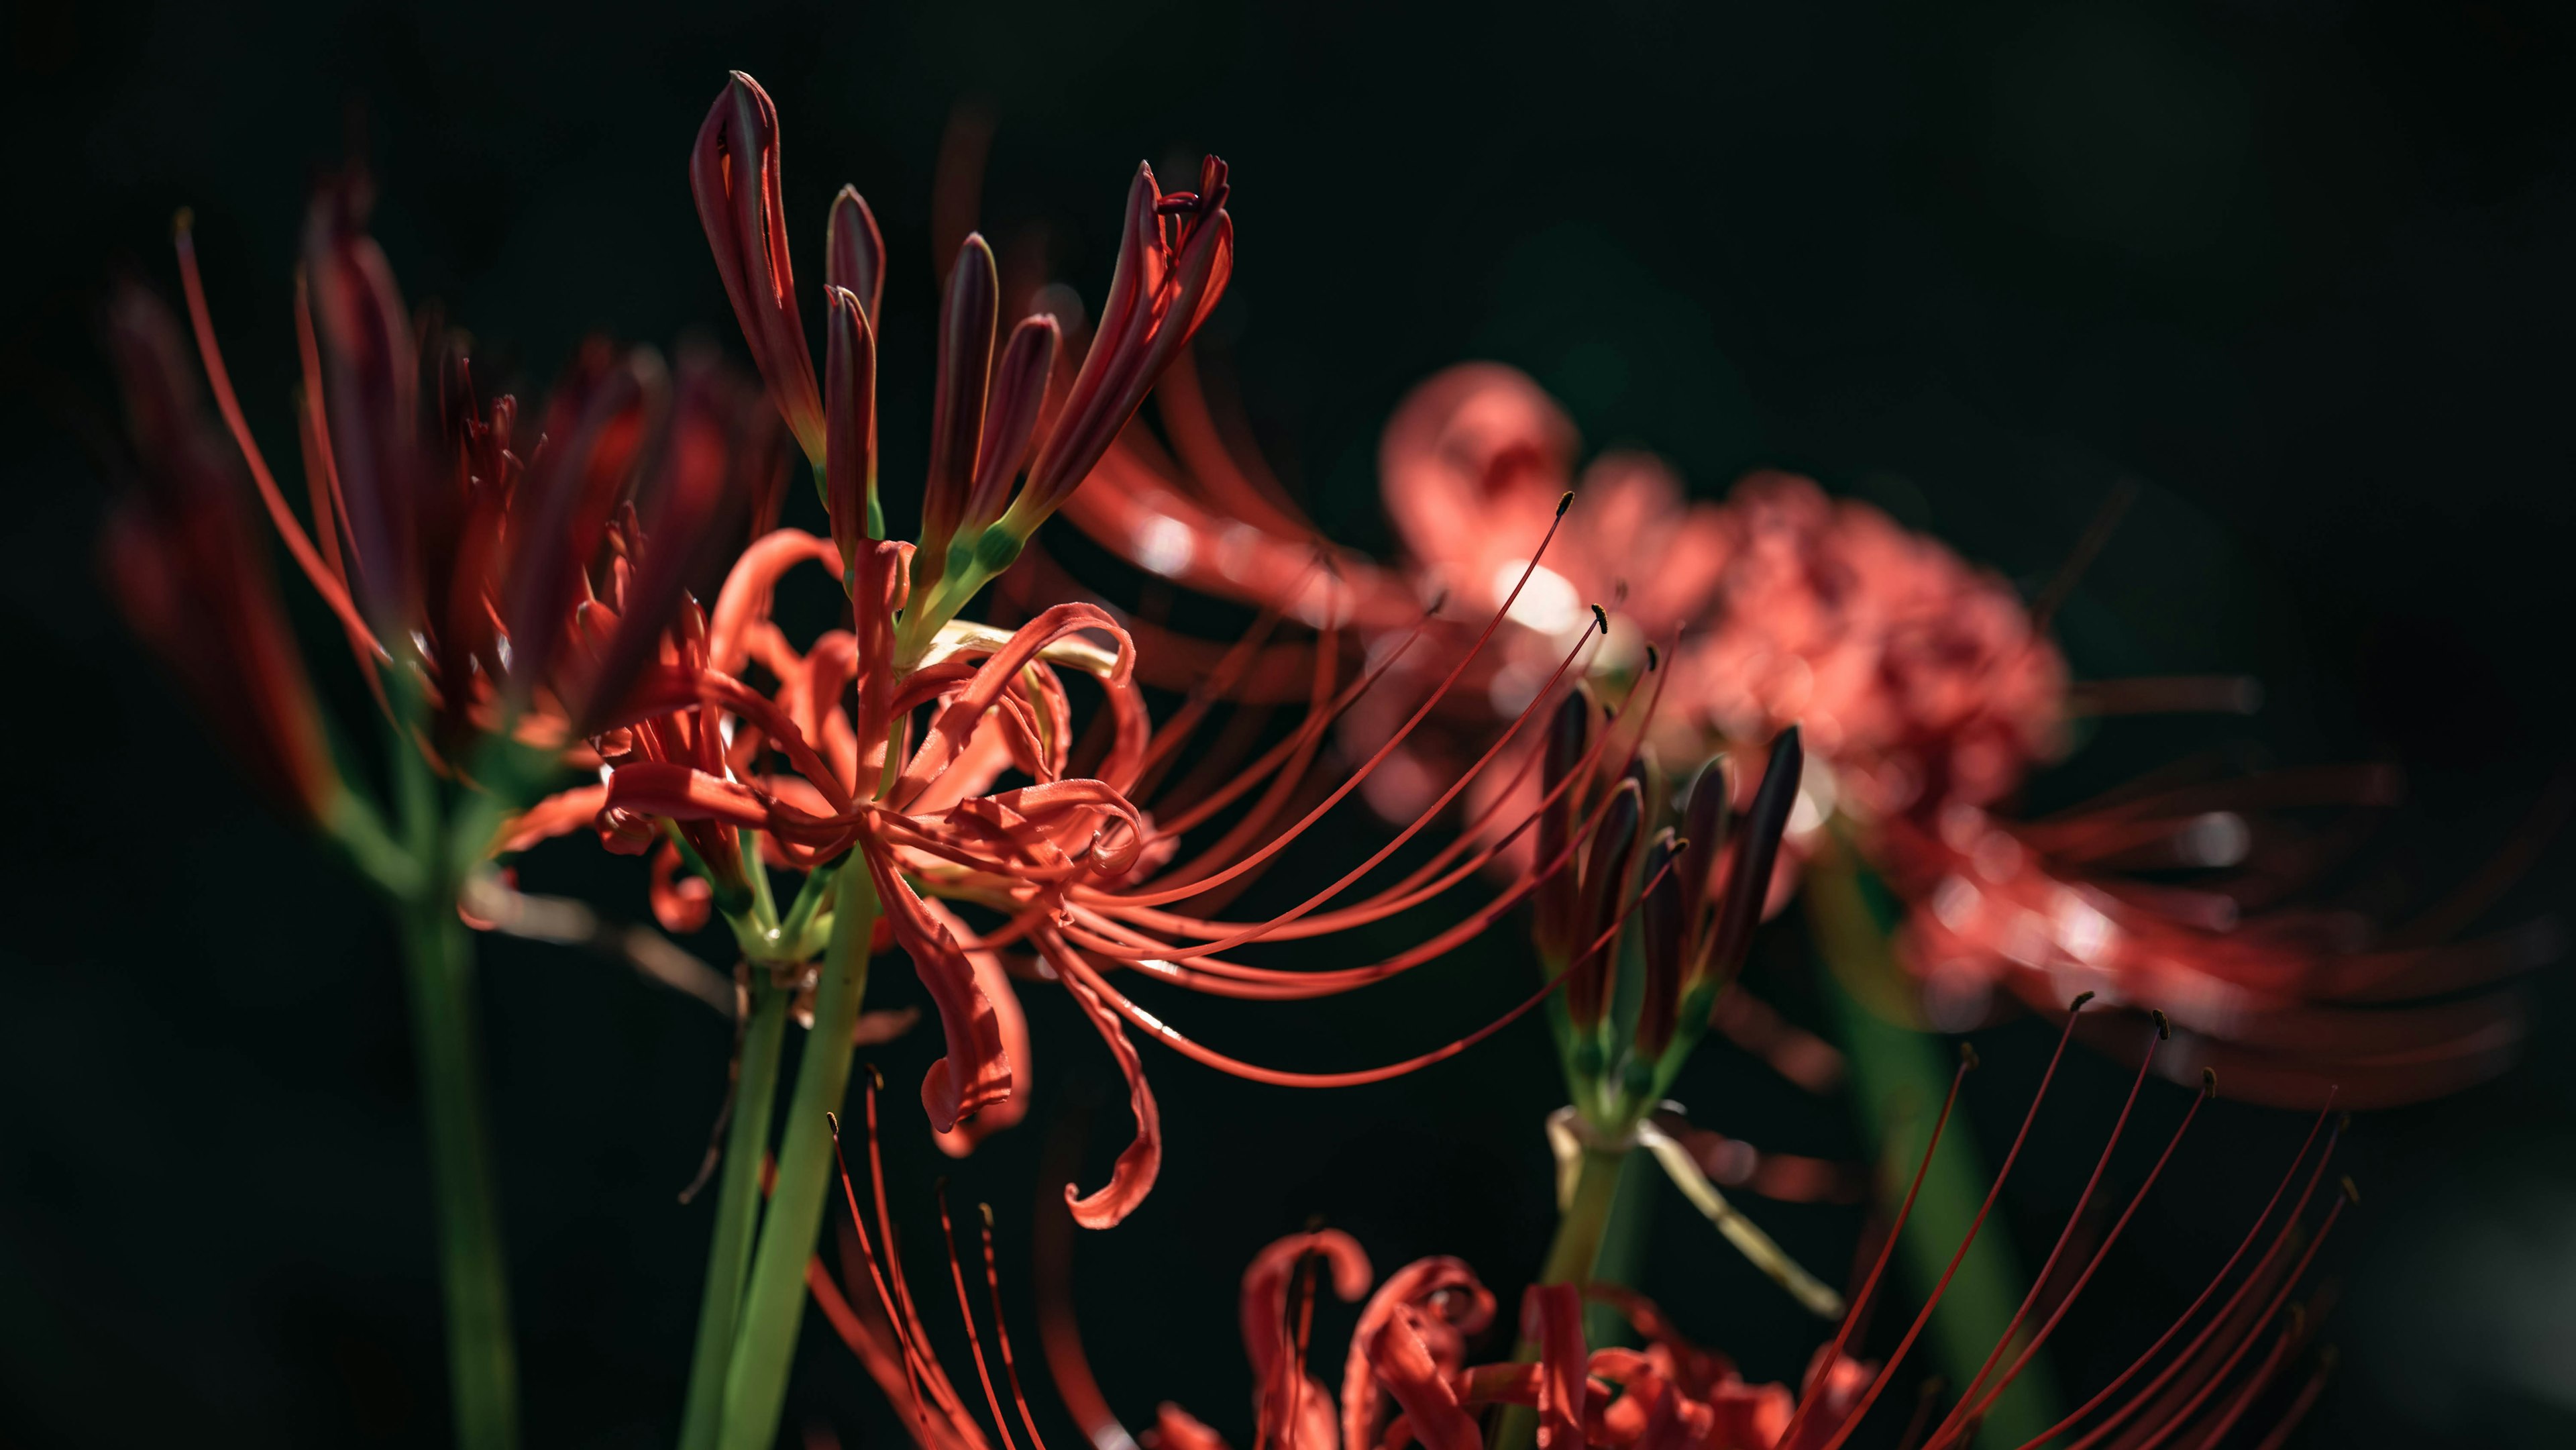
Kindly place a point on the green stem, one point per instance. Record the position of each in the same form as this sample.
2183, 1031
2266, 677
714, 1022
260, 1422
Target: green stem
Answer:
755, 1104
1899, 1077
773, 1308
483, 1370
1570, 1259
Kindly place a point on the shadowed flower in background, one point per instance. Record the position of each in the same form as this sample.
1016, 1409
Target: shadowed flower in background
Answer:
1926, 690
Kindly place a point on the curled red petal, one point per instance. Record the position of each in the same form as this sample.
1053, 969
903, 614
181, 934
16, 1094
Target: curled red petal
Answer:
1142, 1160
975, 1073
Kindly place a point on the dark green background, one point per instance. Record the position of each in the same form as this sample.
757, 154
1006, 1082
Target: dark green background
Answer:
2298, 268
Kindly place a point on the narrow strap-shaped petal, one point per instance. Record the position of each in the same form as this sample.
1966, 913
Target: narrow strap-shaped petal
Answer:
733, 174
850, 427
854, 252
1142, 1160
1402, 1362
966, 322
975, 1073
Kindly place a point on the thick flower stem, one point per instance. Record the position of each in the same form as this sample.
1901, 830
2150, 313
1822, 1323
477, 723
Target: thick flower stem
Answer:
773, 1305
483, 1370
1570, 1259
755, 1103
1898, 1078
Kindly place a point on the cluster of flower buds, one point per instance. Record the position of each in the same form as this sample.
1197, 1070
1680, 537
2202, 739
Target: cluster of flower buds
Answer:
992, 421
1632, 1016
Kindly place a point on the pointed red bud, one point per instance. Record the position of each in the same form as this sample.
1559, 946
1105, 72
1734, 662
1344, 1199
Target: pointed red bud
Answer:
1662, 920
850, 408
966, 323
854, 253
371, 393
733, 173
1011, 418
1569, 735
1605, 882
1171, 271
1757, 848
1705, 818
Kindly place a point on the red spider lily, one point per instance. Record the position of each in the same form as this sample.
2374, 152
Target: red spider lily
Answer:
2220, 1367
504, 578
886, 744
1925, 690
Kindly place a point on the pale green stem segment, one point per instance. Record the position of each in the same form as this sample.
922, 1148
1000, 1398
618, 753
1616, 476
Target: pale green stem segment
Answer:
438, 961
755, 1103
1584, 1209
773, 1304
1899, 1077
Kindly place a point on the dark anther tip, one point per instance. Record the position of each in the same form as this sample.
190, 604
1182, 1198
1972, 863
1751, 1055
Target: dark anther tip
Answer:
1601, 618
1968, 1055
2343, 1122
2080, 999
1438, 602
833, 1120
876, 1079
2351, 1193
985, 1209
2164, 1025
2209, 1082
1653, 660
1314, 1223
1565, 503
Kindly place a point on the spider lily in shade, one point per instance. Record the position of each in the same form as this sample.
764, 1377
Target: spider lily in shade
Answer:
2227, 1369
872, 759
1926, 690
502, 584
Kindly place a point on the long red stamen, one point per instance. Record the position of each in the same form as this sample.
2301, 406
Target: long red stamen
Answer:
1993, 1191
1001, 1329
1209, 1057
911, 1356
2049, 1326
324, 582
1369, 766
1409, 892
966, 1316
933, 1376
1860, 1299
2227, 1366
2252, 1231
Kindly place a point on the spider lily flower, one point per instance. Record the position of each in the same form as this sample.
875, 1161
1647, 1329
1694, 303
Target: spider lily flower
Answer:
2229, 1365
498, 576
882, 749
1926, 692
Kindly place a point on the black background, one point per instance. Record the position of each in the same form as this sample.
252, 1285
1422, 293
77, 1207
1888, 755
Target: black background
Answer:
2299, 269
